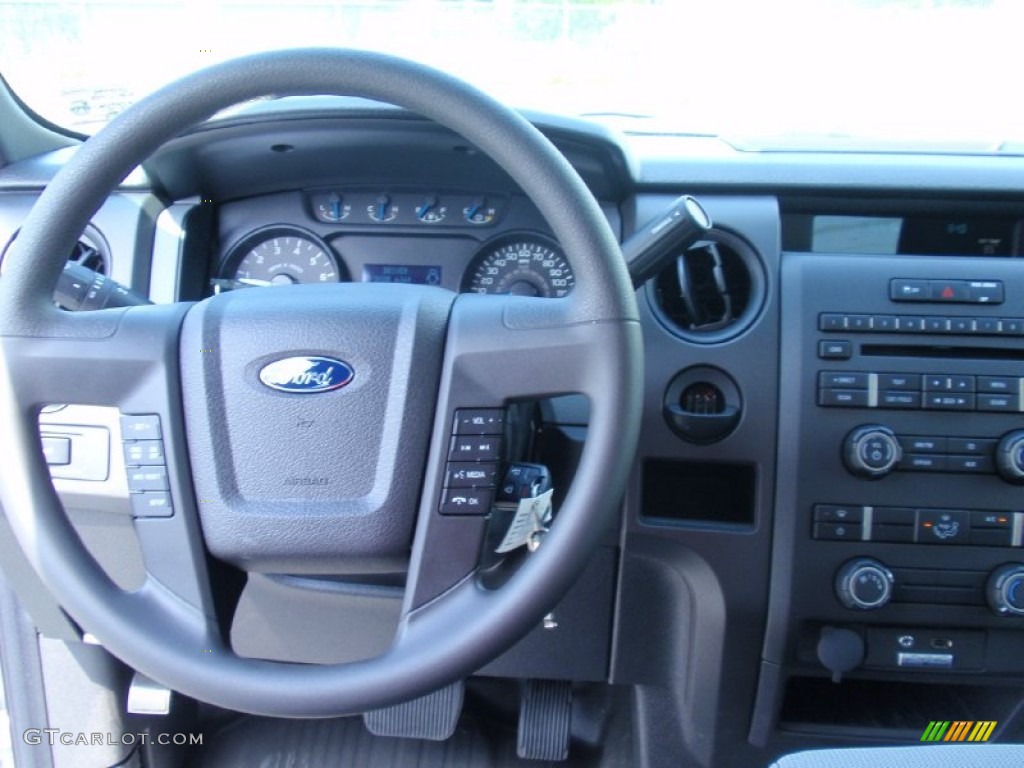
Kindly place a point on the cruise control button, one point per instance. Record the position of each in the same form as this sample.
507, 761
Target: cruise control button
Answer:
145, 453
146, 427
943, 526
467, 501
479, 421
845, 398
843, 380
147, 479
470, 475
835, 350
152, 504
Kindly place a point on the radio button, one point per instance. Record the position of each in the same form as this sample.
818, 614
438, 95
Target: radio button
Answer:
970, 445
910, 324
949, 402
1009, 326
858, 322
961, 325
903, 381
832, 322
914, 444
900, 400
883, 323
978, 464
845, 398
935, 324
998, 403
843, 380
998, 384
945, 383
923, 462
986, 325
835, 350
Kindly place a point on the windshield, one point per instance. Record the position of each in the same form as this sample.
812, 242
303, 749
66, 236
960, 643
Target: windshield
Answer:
788, 73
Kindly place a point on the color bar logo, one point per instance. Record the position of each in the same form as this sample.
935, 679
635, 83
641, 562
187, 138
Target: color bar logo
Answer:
959, 730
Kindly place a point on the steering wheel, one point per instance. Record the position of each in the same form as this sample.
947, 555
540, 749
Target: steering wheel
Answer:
371, 455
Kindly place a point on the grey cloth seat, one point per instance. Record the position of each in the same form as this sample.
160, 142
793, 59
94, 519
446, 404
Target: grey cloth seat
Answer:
918, 756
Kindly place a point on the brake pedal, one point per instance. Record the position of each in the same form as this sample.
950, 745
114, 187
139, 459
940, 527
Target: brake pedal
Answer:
148, 697
432, 717
545, 716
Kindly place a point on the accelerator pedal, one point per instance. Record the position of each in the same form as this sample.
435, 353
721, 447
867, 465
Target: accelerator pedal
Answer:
431, 717
545, 714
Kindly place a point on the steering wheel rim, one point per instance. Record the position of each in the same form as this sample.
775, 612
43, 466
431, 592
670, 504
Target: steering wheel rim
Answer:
159, 629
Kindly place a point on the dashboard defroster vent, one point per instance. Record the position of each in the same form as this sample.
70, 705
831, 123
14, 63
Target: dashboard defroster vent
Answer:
712, 291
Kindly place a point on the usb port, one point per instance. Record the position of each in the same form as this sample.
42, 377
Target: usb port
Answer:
941, 643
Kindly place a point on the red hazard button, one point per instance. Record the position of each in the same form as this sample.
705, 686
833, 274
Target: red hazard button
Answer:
949, 290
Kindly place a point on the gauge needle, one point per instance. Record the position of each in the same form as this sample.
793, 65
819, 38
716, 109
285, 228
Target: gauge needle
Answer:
221, 284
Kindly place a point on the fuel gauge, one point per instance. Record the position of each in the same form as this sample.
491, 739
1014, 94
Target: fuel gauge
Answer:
430, 211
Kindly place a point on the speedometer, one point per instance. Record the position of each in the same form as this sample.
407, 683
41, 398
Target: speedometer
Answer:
282, 256
525, 265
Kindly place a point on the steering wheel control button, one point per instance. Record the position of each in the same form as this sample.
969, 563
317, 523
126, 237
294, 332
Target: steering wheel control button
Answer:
460, 474
467, 501
475, 448
152, 504
479, 421
57, 450
147, 479
140, 427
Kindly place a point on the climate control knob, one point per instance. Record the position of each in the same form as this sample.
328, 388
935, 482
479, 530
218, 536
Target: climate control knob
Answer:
871, 451
1010, 457
864, 584
1005, 590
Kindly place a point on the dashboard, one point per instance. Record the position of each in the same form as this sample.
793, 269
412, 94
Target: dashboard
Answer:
823, 538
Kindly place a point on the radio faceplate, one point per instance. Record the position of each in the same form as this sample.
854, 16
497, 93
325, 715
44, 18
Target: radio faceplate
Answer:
900, 431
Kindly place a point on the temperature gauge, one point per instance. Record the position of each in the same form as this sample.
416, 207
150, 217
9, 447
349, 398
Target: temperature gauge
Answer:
479, 211
382, 209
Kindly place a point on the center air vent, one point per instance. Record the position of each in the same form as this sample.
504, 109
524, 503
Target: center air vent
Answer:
712, 292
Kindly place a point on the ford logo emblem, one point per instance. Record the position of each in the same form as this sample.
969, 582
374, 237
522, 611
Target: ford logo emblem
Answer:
306, 375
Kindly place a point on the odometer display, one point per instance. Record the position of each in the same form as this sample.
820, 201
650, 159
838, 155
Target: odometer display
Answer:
521, 266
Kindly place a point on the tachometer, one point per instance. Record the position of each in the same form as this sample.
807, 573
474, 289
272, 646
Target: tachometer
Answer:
281, 256
524, 265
